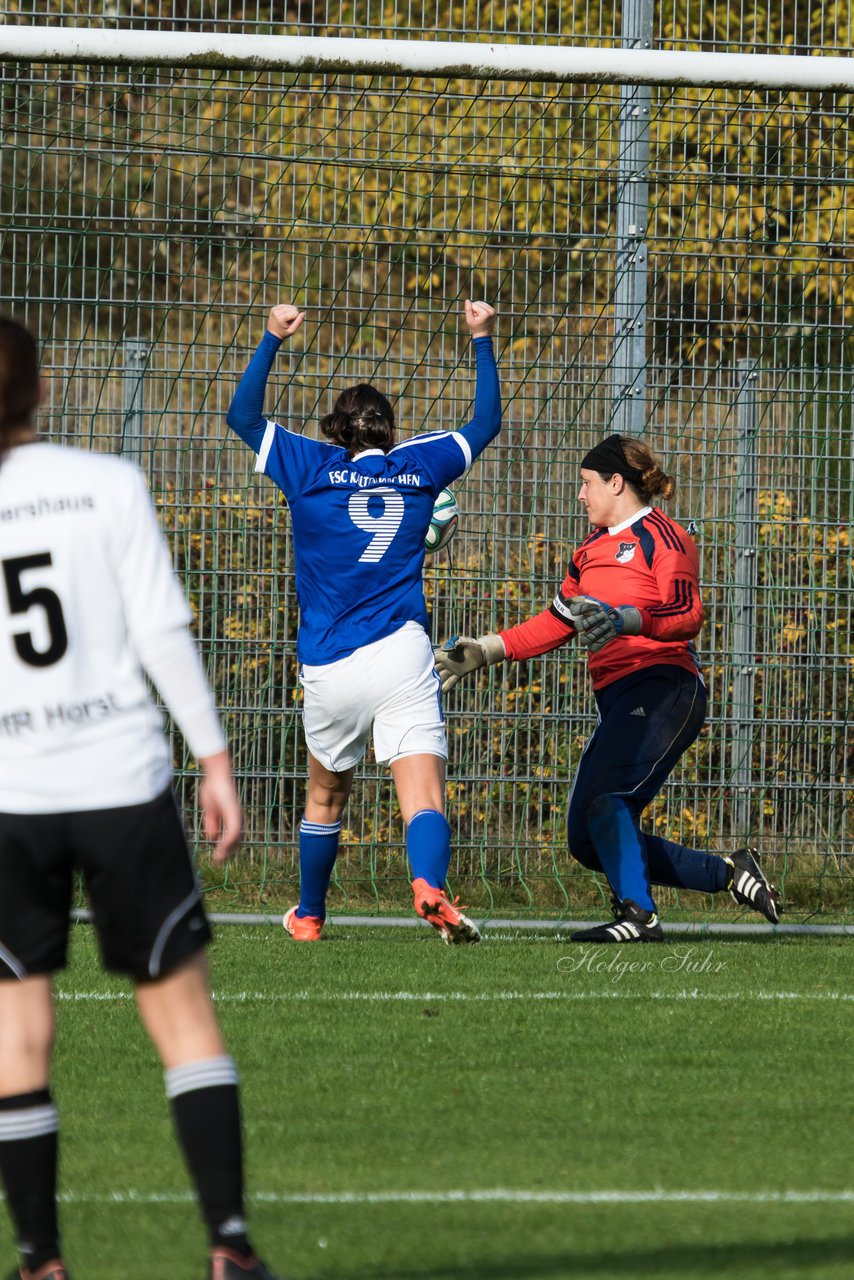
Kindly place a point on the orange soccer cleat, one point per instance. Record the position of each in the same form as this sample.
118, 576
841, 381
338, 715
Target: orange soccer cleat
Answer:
303, 928
434, 906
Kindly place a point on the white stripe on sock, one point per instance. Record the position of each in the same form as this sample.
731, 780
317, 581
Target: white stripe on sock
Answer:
31, 1122
319, 828
205, 1074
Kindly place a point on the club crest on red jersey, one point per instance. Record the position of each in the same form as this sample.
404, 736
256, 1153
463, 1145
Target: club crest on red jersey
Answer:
625, 551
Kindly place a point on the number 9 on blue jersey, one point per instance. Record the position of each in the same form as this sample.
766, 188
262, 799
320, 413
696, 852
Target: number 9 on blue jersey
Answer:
443, 522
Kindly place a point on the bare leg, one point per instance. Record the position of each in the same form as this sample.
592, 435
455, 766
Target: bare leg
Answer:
420, 784
178, 1014
328, 792
26, 1034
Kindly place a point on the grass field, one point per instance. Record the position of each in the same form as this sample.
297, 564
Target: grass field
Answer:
512, 1112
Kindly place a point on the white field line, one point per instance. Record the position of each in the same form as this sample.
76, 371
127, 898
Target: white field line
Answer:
475, 997
525, 928
555, 928
492, 1196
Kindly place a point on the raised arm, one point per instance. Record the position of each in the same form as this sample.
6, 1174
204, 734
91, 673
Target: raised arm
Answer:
245, 414
486, 423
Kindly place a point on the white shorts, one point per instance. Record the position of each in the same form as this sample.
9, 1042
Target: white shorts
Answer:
391, 686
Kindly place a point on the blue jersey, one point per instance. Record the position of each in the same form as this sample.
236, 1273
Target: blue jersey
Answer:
359, 523
359, 527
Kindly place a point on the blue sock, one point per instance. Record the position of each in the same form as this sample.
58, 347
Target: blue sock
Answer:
671, 863
619, 845
428, 846
318, 849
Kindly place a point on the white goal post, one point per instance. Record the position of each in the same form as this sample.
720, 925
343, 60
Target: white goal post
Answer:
443, 59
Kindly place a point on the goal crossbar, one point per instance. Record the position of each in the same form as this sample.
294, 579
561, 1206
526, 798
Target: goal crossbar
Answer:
467, 60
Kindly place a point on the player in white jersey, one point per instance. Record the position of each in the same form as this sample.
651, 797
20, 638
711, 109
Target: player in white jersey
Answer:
88, 602
360, 508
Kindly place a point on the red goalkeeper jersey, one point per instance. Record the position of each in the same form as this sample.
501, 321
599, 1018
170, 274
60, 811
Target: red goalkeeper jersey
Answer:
649, 562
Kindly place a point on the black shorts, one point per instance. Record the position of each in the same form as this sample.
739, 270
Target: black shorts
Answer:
138, 874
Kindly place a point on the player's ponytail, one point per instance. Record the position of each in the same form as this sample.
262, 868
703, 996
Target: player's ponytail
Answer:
19, 380
361, 419
652, 481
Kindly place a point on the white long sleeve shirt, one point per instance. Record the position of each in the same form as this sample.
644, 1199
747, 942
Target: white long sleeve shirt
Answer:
88, 599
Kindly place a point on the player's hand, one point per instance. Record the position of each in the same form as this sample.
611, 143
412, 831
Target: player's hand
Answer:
284, 320
462, 654
597, 623
480, 318
222, 819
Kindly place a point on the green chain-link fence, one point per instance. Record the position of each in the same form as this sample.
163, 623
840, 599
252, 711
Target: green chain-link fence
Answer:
149, 219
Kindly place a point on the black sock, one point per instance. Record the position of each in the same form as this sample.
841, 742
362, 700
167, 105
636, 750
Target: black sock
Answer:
28, 1152
206, 1109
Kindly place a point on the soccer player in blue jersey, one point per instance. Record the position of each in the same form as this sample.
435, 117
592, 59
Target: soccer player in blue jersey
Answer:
360, 508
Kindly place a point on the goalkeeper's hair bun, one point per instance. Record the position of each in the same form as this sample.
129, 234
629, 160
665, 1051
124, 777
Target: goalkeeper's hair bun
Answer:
653, 482
19, 377
361, 418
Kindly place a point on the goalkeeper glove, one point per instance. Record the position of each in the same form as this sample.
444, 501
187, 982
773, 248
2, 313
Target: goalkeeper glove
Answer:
462, 654
597, 623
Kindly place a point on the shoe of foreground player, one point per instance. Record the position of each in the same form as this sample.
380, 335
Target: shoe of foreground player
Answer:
749, 887
434, 906
226, 1265
632, 924
51, 1271
303, 928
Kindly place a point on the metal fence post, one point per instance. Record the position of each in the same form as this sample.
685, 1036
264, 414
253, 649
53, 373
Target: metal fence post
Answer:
628, 359
135, 355
744, 598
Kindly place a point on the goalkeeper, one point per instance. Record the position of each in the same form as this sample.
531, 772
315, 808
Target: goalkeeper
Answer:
632, 600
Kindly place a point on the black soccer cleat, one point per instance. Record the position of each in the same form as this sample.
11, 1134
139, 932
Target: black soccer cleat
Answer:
228, 1265
632, 924
749, 888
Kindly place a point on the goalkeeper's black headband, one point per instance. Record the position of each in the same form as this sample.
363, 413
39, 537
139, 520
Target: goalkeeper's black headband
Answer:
608, 459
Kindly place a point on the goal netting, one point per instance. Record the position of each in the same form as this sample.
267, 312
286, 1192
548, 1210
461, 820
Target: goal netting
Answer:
150, 215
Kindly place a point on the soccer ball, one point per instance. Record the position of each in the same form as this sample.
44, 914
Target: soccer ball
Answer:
446, 513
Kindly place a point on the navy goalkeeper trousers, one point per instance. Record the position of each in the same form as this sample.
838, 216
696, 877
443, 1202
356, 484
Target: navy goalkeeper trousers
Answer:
646, 722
